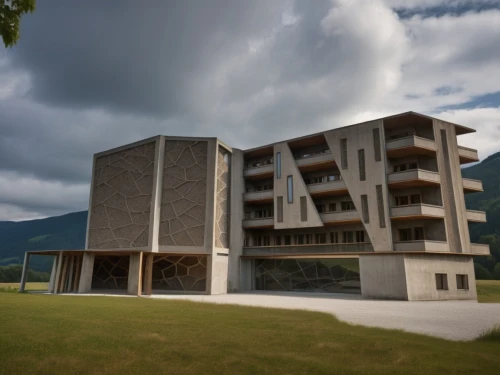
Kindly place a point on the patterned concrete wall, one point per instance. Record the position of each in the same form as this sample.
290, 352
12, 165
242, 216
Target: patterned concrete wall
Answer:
180, 273
222, 205
182, 216
121, 199
110, 272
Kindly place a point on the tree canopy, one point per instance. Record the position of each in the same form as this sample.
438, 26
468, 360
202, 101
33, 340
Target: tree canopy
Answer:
10, 18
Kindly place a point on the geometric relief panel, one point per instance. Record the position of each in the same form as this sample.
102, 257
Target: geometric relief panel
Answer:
110, 272
180, 273
121, 198
308, 275
222, 199
182, 214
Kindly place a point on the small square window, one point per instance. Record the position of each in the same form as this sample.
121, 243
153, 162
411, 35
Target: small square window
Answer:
441, 281
463, 282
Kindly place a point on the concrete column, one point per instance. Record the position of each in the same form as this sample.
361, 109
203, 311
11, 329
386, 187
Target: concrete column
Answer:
247, 275
24, 275
57, 279
148, 275
86, 275
135, 274
52, 281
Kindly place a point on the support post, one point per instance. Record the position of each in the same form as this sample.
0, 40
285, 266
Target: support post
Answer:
77, 273
135, 274
86, 274
57, 280
148, 275
24, 275
52, 281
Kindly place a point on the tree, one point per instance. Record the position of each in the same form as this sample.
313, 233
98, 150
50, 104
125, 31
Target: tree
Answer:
10, 18
481, 272
496, 272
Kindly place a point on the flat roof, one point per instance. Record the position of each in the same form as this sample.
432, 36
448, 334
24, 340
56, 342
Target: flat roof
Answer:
460, 129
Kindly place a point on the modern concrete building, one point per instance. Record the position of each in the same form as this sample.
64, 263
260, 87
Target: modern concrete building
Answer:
375, 208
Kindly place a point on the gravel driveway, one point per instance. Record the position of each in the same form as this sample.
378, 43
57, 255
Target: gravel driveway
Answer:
453, 320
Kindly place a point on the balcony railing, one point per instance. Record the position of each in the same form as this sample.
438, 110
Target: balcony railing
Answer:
340, 217
258, 196
424, 245
311, 162
467, 155
417, 210
266, 222
266, 170
309, 249
413, 177
480, 249
472, 186
476, 216
410, 145
336, 187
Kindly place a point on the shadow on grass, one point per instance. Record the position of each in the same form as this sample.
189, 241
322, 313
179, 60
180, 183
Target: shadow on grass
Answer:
492, 335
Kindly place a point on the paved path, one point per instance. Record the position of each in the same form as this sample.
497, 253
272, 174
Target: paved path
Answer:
453, 320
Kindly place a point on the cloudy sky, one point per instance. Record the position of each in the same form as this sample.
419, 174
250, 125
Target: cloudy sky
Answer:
91, 75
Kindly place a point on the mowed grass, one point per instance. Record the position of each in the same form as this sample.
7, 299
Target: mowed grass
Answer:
14, 287
488, 291
46, 334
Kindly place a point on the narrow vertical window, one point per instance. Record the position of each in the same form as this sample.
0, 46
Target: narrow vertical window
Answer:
380, 203
290, 189
441, 281
278, 165
376, 144
279, 204
361, 160
343, 153
303, 209
364, 208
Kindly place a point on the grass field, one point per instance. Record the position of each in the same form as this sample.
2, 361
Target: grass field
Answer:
106, 335
7, 287
488, 290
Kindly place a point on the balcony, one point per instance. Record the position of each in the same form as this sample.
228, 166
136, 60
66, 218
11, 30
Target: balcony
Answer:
411, 145
417, 211
314, 162
258, 197
340, 217
476, 216
480, 249
324, 189
263, 171
424, 245
308, 250
413, 178
467, 155
267, 222
472, 186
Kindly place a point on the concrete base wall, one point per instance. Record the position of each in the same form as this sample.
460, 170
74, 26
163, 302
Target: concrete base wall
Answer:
217, 274
413, 277
421, 277
383, 276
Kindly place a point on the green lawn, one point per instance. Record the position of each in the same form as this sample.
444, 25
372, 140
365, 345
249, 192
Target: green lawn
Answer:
109, 335
29, 286
488, 290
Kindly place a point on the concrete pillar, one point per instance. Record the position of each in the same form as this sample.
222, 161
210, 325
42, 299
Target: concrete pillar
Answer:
135, 274
86, 274
247, 279
148, 275
52, 281
24, 275
57, 279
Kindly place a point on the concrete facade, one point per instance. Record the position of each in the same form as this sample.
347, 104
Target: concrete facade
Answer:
375, 208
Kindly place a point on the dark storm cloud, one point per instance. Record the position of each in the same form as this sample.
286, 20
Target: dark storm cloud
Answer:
132, 56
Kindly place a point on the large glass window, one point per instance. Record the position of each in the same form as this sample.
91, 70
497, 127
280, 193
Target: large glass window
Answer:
290, 189
278, 165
